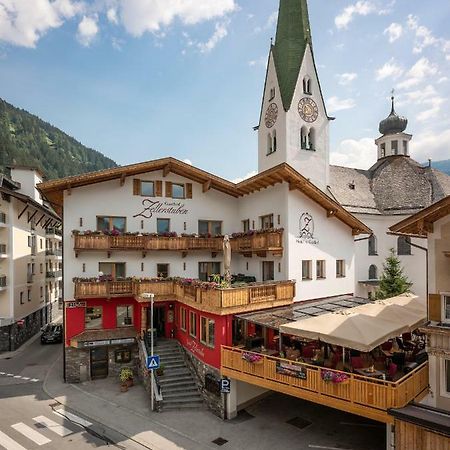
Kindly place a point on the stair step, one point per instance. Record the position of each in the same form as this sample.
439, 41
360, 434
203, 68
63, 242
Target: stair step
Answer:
173, 365
172, 388
178, 407
184, 400
180, 395
177, 371
178, 381
164, 358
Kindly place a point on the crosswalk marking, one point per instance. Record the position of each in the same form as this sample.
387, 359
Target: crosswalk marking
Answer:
53, 426
34, 380
19, 377
25, 378
72, 417
31, 434
8, 443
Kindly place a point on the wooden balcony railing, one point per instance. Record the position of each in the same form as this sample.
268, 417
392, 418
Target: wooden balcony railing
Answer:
219, 301
261, 242
360, 395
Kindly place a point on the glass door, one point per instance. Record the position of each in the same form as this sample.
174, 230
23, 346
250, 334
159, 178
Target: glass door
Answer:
99, 363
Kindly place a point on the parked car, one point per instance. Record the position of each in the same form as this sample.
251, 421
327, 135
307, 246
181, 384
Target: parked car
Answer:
52, 333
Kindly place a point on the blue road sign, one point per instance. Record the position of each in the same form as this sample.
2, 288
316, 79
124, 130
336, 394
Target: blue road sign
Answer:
225, 386
153, 362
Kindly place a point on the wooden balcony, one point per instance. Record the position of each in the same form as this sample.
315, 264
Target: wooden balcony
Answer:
256, 243
359, 395
218, 301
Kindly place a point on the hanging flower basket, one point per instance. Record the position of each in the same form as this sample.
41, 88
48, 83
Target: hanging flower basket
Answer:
252, 358
334, 377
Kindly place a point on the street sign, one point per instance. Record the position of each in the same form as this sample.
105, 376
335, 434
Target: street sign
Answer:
153, 362
225, 386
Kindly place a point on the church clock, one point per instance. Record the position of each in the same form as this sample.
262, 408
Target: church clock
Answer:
308, 110
271, 115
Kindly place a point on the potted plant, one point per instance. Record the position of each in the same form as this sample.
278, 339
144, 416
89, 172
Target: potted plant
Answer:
126, 378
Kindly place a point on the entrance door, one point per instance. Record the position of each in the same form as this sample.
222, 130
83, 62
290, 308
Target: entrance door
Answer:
159, 320
99, 363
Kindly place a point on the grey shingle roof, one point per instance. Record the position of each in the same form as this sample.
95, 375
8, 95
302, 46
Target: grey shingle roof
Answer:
393, 185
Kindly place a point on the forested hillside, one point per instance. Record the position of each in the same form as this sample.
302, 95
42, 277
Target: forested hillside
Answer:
443, 166
27, 140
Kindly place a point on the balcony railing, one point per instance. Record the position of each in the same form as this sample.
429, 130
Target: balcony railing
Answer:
54, 274
217, 300
360, 395
262, 241
53, 231
3, 281
53, 252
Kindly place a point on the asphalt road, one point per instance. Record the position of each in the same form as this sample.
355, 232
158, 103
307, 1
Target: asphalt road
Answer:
29, 419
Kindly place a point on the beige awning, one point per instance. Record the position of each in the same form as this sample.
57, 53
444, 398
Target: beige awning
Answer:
363, 327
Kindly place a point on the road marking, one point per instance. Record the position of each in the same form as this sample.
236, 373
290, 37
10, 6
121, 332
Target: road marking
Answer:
53, 426
31, 434
8, 443
34, 380
9, 374
17, 376
25, 378
72, 417
2, 373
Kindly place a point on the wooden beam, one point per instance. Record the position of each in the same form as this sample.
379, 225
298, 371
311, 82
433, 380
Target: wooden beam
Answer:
207, 186
47, 223
32, 216
39, 221
331, 213
292, 186
166, 170
69, 189
23, 211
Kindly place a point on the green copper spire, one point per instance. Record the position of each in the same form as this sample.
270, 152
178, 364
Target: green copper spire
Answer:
293, 34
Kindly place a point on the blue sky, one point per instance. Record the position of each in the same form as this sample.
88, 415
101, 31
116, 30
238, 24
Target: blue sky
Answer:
143, 79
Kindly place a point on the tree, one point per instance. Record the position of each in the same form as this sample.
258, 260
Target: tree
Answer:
392, 282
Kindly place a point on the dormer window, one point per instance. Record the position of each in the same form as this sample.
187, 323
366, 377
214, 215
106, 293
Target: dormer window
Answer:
307, 85
272, 94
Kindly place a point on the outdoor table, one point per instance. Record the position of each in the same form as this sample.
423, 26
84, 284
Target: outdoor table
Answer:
366, 373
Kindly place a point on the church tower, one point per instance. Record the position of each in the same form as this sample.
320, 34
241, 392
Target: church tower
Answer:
294, 125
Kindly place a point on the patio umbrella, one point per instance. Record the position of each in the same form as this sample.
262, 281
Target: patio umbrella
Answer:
227, 258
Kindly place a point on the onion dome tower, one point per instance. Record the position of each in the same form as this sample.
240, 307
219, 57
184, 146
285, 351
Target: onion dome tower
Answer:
394, 141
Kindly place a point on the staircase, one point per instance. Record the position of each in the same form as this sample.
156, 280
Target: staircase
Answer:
178, 386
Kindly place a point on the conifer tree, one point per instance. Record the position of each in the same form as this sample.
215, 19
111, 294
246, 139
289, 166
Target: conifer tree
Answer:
392, 282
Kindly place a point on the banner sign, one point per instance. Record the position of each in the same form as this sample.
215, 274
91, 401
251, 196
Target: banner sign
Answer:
157, 207
291, 370
76, 305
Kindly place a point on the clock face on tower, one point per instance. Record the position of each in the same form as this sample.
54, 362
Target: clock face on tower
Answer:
308, 110
271, 115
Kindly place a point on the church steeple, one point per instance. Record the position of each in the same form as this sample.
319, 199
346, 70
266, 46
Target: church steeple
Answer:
293, 35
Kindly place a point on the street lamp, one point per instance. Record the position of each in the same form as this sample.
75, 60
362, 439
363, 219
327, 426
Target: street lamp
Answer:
151, 296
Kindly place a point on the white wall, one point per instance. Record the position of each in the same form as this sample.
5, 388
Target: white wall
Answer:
28, 179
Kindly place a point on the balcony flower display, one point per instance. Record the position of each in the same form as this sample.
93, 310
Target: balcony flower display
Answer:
334, 377
253, 358
255, 232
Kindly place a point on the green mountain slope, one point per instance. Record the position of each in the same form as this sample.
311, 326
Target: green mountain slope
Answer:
443, 166
27, 140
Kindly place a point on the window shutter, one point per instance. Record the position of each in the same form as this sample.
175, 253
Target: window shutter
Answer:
136, 187
188, 190
434, 307
158, 188
169, 189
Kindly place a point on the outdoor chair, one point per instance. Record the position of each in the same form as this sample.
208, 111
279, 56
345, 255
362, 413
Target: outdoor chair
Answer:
357, 362
392, 371
398, 358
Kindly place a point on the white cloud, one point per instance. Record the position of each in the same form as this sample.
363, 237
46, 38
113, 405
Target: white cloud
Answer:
347, 78
187, 161
245, 177
430, 144
360, 8
260, 62
336, 104
111, 14
421, 71
220, 33
270, 22
117, 43
424, 36
390, 70
428, 99
361, 153
394, 31
23, 25
87, 30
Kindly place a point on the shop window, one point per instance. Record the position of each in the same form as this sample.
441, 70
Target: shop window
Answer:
372, 245
210, 227
113, 270
93, 317
266, 221
105, 223
320, 270
147, 188
125, 316
207, 269
183, 318
162, 270
246, 225
340, 268
207, 330
162, 226
193, 324
122, 356
178, 190
404, 246
306, 270
268, 271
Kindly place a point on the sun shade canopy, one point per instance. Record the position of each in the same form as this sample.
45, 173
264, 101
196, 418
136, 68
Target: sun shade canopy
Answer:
364, 327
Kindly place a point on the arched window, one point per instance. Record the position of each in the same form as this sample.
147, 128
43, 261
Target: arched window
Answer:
404, 245
269, 144
307, 85
373, 272
304, 138
372, 245
274, 144
312, 139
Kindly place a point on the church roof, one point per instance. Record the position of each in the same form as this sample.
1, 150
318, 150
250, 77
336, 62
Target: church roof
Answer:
293, 35
393, 186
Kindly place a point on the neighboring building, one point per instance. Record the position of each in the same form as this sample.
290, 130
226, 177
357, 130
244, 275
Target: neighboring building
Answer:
419, 427
30, 258
393, 187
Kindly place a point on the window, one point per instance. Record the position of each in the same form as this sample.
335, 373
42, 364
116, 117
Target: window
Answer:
447, 375
269, 144
183, 317
405, 147
93, 317
147, 188
178, 190
124, 315
246, 225
207, 269
29, 295
41, 291
105, 223
30, 241
212, 227
266, 221
373, 272
394, 148
446, 314
340, 268
207, 329
372, 245
192, 324
274, 139
21, 298
307, 86
268, 271
404, 246
311, 139
272, 94
162, 270
383, 150
321, 269
303, 138
122, 356
306, 270
162, 226
114, 270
